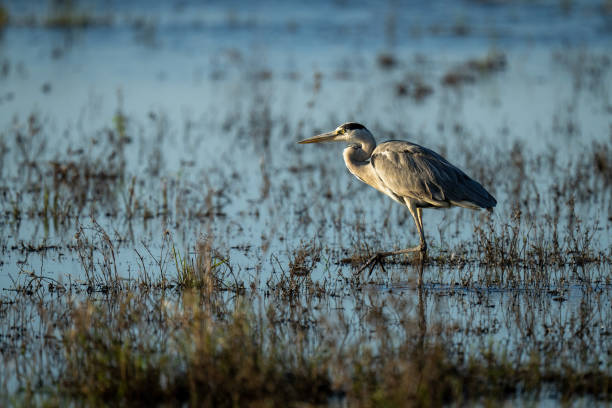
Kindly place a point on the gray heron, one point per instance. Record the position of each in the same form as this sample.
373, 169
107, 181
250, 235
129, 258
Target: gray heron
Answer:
410, 174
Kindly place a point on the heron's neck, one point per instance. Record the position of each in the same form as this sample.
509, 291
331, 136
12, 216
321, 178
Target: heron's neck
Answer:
367, 143
358, 153
357, 161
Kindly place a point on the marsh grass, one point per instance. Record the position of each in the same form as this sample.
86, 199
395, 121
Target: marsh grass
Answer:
474, 69
186, 350
74, 19
188, 347
208, 271
304, 259
517, 307
295, 283
96, 252
533, 245
101, 181
67, 14
442, 379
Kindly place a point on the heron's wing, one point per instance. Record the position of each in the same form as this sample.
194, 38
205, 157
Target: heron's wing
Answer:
413, 171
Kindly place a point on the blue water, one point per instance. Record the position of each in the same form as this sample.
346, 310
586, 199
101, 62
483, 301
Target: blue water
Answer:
198, 69
196, 81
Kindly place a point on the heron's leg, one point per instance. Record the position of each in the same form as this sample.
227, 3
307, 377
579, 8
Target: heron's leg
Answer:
422, 247
423, 243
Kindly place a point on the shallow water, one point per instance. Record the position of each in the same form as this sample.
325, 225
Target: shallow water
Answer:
209, 101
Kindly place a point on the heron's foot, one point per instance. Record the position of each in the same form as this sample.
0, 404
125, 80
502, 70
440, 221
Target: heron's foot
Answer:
379, 257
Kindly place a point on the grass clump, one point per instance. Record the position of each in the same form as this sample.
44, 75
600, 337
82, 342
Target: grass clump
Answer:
206, 271
304, 259
98, 258
189, 355
430, 374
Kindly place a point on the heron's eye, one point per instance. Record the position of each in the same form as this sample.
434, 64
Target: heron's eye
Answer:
341, 131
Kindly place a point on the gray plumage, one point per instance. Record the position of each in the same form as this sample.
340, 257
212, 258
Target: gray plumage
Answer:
418, 173
410, 174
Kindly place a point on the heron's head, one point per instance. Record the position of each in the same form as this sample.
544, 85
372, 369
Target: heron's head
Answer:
351, 133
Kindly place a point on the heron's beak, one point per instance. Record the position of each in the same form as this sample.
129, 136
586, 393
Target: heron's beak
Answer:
325, 137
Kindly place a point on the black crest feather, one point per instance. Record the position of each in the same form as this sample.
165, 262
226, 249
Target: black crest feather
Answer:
352, 126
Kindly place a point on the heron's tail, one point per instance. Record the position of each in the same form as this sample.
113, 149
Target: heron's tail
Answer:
475, 196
